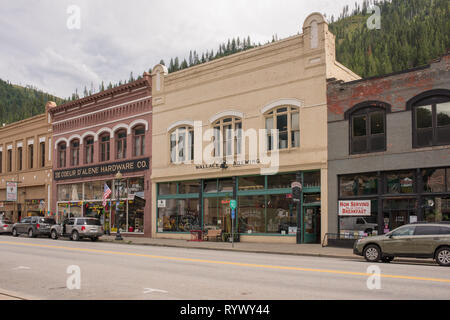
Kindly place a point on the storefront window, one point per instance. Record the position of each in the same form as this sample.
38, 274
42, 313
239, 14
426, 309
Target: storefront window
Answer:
436, 209
76, 192
311, 179
281, 181
167, 188
397, 212
433, 180
358, 185
397, 182
64, 192
217, 214
281, 215
136, 188
179, 215
94, 210
136, 215
119, 215
251, 183
94, 190
120, 189
360, 225
251, 214
76, 209
225, 185
311, 198
190, 187
211, 186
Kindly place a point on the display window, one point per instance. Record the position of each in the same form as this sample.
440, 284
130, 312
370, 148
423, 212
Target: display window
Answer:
358, 185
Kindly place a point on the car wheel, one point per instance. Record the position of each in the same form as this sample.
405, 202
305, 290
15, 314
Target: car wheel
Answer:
14, 233
94, 238
372, 253
30, 233
443, 256
54, 235
75, 236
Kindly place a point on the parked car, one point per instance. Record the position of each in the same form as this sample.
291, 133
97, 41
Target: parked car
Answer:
33, 226
78, 228
419, 240
358, 224
5, 225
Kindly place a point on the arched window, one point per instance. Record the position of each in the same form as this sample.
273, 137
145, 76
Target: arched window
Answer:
138, 141
182, 144
368, 127
227, 137
89, 150
121, 144
431, 118
75, 152
62, 155
104, 147
286, 120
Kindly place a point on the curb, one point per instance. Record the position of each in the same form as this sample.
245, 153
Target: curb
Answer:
15, 295
235, 250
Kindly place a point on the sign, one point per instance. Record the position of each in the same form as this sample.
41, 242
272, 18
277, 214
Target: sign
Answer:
161, 203
354, 208
103, 169
233, 204
11, 191
292, 230
296, 190
233, 214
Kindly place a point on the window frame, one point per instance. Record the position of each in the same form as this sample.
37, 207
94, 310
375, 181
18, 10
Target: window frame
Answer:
123, 142
62, 152
187, 130
428, 98
72, 149
274, 113
225, 142
367, 109
140, 137
106, 145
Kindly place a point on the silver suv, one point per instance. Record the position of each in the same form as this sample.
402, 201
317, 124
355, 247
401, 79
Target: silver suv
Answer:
78, 228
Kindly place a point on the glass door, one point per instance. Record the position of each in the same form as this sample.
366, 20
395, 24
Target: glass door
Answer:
311, 224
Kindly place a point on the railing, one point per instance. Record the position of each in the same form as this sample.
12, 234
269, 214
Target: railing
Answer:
340, 240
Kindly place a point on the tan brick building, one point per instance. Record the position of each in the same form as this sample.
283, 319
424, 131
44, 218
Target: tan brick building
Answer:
25, 158
280, 86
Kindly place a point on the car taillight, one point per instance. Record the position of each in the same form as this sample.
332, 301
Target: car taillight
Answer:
5, 226
38, 226
83, 228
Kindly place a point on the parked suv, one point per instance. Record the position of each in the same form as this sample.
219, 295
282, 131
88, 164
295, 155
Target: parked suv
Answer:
33, 226
78, 228
419, 240
5, 225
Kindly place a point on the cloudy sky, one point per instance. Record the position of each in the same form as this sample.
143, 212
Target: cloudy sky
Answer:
117, 37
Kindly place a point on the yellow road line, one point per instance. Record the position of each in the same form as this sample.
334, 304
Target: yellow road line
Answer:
251, 265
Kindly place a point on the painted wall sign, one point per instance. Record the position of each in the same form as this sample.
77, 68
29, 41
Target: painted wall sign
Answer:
103, 169
354, 208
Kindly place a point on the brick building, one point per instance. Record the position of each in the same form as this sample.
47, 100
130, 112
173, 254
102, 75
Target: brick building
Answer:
94, 139
389, 150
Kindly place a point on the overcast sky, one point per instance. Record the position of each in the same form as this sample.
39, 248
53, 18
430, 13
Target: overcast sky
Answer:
116, 37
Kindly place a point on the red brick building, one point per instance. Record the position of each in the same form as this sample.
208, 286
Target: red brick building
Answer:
105, 140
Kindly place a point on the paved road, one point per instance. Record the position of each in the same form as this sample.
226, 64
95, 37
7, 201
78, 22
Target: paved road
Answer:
37, 268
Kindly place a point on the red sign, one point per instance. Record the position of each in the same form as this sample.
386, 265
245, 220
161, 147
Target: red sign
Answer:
354, 208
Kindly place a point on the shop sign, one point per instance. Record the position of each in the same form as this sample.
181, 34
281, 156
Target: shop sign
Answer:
296, 191
161, 203
354, 208
11, 191
224, 165
103, 169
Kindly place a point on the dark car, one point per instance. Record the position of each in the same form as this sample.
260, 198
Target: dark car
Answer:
33, 227
420, 240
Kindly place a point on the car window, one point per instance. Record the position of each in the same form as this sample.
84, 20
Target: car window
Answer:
427, 230
6, 221
47, 220
404, 231
88, 222
71, 222
26, 220
444, 230
360, 221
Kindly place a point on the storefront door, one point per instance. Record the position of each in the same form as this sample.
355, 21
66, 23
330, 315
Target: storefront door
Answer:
311, 224
398, 212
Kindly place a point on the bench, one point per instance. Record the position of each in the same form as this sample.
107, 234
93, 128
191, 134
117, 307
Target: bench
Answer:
216, 235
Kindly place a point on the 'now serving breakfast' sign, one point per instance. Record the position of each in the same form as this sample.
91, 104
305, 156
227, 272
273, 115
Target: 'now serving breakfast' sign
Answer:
354, 208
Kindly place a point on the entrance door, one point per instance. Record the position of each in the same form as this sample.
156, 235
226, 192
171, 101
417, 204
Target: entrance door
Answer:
311, 224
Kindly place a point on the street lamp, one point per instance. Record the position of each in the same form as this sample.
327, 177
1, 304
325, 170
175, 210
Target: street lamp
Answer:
118, 178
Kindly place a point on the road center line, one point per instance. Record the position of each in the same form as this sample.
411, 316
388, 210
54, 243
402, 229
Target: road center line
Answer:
250, 265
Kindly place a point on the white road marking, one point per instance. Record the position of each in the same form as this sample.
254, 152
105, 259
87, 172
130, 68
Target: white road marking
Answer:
150, 290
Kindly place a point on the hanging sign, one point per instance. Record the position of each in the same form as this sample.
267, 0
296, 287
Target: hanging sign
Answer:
11, 191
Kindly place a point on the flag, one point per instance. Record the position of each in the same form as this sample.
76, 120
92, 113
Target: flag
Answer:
106, 192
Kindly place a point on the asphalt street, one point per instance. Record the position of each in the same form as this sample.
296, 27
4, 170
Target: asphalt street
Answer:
38, 269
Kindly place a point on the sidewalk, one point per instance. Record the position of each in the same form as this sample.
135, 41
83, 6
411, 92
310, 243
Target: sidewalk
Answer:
314, 250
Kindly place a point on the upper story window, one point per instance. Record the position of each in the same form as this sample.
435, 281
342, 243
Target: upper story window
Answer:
182, 144
19, 158
138, 141
368, 127
121, 144
286, 120
31, 156
431, 118
62, 155
42, 154
227, 137
75, 153
9, 160
1, 161
89, 150
104, 147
